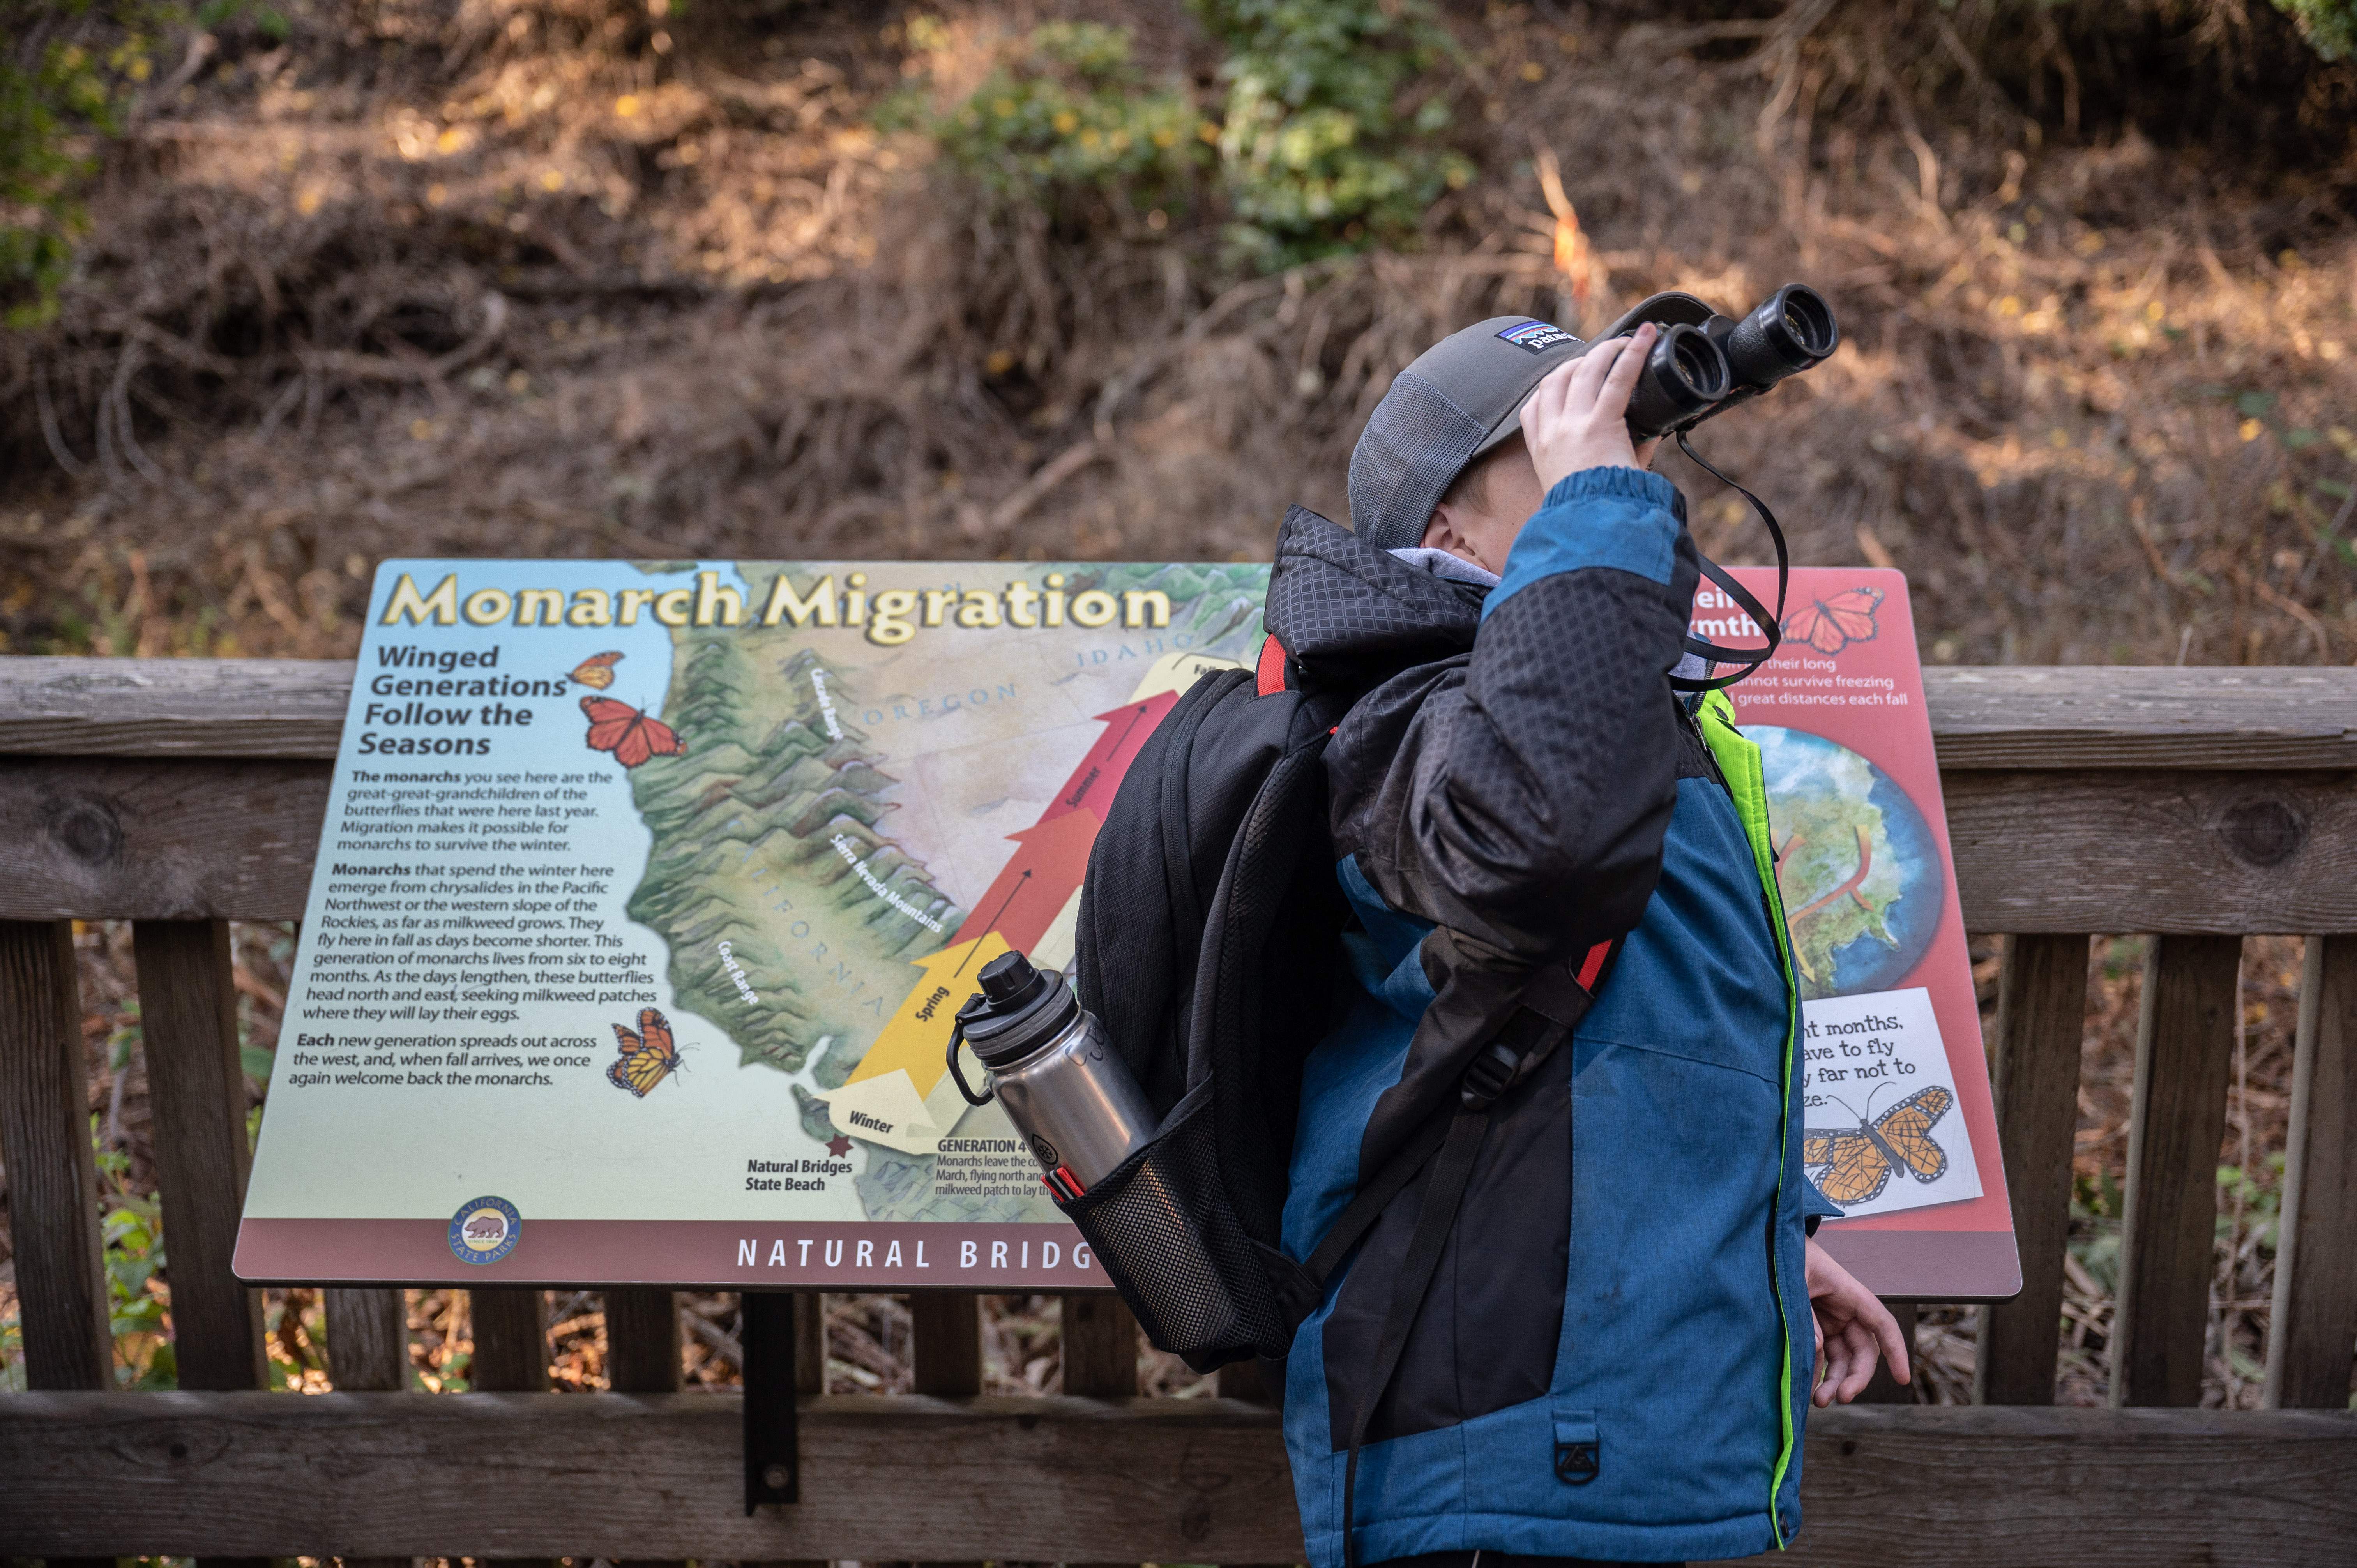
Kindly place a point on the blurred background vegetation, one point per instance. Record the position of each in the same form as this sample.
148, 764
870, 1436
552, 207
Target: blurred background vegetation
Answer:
293, 286
296, 285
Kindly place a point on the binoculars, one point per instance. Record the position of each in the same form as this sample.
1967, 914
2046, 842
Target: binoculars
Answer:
1703, 362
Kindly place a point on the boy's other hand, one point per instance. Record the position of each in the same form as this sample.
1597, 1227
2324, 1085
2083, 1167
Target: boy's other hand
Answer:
1578, 417
1851, 1326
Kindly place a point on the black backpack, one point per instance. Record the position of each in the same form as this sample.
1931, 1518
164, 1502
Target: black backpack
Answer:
1209, 947
1213, 874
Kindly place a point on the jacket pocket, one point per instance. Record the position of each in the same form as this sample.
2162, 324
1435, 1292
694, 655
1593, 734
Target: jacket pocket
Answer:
1671, 1272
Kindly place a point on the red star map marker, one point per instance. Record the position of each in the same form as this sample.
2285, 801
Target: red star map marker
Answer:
838, 1145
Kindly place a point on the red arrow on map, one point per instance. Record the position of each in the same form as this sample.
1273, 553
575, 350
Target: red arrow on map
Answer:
1036, 880
1093, 783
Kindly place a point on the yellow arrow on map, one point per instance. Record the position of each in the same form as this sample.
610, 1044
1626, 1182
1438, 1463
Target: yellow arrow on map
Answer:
916, 1040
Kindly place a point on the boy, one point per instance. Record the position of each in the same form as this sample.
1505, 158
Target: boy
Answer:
1611, 1361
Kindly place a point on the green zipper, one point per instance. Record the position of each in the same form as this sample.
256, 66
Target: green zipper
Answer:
1739, 759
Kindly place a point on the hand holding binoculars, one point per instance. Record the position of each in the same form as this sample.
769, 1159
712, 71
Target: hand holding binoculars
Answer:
1703, 362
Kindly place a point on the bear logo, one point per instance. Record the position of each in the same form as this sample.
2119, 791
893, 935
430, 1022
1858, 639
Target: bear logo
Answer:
485, 1229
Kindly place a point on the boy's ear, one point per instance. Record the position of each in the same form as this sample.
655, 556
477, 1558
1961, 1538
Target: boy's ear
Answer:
1441, 532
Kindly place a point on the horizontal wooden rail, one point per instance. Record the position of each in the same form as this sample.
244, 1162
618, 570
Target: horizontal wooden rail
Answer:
2220, 853
1063, 1480
174, 707
2012, 717
2207, 853
2194, 802
2115, 717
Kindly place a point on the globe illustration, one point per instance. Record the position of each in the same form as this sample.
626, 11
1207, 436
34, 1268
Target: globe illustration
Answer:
1860, 872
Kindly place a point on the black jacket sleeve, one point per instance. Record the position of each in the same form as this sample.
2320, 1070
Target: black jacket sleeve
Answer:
1528, 787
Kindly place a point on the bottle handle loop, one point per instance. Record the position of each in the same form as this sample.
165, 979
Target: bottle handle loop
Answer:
957, 1040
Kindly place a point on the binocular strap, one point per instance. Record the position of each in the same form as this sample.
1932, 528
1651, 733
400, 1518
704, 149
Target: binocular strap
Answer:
1746, 660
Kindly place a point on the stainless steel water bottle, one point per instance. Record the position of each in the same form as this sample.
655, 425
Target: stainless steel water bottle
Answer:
1053, 1070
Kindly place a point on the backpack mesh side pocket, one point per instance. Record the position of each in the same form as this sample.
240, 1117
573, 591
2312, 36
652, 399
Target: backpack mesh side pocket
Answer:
1170, 1242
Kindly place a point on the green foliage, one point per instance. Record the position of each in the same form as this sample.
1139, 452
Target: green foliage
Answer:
1067, 115
255, 1058
2257, 1195
131, 1232
1332, 106
70, 72
2122, 956
2328, 25
2095, 1210
44, 107
131, 1229
1326, 140
455, 1370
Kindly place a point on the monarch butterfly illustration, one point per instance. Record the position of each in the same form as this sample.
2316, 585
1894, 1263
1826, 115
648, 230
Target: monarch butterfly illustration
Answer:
1857, 1162
597, 670
628, 734
648, 1055
1831, 624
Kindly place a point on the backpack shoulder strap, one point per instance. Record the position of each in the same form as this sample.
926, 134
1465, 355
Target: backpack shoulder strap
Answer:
1552, 1007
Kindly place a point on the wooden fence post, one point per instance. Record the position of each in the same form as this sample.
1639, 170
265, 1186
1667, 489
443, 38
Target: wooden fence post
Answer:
946, 1330
196, 1087
1099, 1341
1099, 1347
368, 1352
643, 1349
2185, 1053
809, 1378
509, 1325
52, 1174
367, 1340
2041, 1011
2314, 1317
809, 1342
642, 1352
946, 1327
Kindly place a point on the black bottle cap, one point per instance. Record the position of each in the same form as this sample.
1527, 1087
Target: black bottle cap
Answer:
1016, 1008
1009, 981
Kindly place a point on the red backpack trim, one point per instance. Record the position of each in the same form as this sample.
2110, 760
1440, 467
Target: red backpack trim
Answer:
1269, 677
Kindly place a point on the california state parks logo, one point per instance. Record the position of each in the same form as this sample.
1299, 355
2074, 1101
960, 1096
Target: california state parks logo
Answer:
485, 1229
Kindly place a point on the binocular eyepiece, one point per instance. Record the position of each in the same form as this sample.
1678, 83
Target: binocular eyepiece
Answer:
1703, 362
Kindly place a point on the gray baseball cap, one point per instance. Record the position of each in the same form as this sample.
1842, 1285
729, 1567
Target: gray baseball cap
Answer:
1461, 397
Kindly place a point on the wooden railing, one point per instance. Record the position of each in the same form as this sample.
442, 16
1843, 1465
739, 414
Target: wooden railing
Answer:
2195, 805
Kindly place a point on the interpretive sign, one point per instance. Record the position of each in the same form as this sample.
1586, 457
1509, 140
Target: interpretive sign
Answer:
1900, 1128
646, 897
648, 892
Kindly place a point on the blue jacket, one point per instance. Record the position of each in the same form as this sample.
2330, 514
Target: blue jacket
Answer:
1614, 1359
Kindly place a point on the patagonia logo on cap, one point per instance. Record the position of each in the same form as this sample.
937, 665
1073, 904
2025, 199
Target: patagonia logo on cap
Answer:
1537, 337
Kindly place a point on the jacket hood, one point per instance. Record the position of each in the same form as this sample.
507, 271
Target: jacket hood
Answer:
1350, 614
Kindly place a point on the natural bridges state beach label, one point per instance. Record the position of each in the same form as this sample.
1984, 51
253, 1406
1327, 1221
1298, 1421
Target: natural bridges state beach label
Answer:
647, 894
